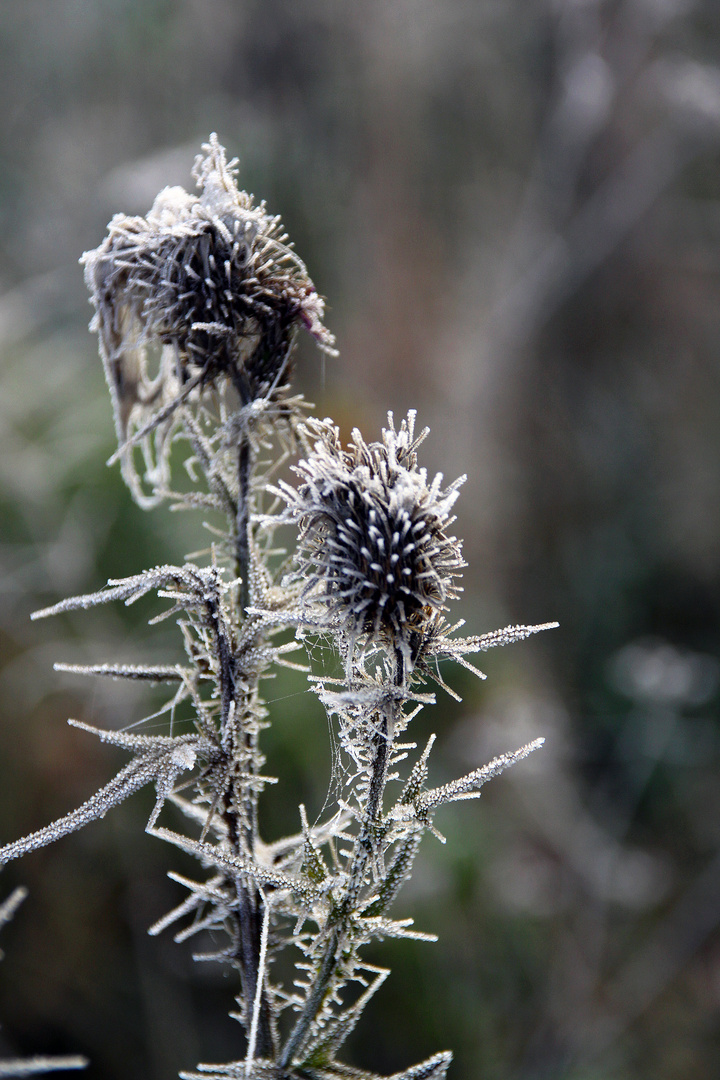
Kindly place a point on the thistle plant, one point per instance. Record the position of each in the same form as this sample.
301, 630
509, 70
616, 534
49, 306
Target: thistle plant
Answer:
197, 307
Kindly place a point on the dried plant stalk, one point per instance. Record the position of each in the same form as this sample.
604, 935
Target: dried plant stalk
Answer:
208, 287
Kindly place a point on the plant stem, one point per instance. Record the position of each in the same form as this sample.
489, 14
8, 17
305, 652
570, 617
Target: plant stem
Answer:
242, 523
241, 813
362, 850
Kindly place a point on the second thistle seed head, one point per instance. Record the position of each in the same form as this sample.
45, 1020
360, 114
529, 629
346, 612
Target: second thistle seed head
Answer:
373, 534
212, 282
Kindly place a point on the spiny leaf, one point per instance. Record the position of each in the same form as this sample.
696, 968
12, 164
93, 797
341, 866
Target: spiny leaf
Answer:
137, 773
397, 874
468, 786
37, 1065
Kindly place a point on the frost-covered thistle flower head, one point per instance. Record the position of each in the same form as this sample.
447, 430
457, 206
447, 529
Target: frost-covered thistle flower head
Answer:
210, 283
374, 544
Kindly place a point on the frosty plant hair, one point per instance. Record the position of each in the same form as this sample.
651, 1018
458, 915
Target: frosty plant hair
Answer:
208, 288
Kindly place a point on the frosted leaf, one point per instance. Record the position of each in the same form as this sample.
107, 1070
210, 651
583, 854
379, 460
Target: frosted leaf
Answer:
130, 779
10, 905
213, 855
468, 787
37, 1066
435, 1068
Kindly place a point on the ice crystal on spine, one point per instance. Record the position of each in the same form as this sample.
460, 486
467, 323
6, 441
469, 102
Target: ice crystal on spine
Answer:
373, 533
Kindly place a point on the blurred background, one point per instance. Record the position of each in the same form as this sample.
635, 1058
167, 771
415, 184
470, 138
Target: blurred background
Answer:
513, 208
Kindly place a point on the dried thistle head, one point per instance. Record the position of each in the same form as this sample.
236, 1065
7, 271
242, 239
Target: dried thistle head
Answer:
374, 543
208, 287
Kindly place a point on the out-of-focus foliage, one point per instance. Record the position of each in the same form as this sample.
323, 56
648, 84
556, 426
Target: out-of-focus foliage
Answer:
31, 1066
513, 211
